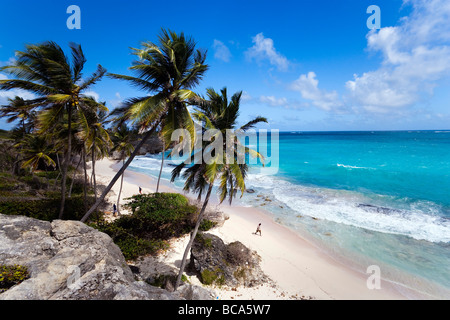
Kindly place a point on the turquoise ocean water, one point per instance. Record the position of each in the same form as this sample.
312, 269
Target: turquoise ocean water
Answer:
366, 198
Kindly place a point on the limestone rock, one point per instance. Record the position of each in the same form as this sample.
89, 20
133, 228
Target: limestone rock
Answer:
153, 145
68, 260
157, 273
231, 264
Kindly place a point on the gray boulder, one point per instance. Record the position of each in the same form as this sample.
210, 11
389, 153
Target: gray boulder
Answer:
68, 260
157, 273
225, 264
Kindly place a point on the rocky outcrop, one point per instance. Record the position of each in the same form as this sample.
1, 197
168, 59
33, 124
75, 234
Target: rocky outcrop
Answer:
70, 260
153, 145
157, 273
225, 264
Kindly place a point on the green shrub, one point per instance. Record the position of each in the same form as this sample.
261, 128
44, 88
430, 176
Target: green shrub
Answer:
48, 209
206, 225
161, 207
209, 277
155, 219
133, 247
12, 275
164, 215
205, 242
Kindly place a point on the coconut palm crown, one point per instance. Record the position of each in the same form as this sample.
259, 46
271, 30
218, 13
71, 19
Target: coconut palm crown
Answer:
46, 71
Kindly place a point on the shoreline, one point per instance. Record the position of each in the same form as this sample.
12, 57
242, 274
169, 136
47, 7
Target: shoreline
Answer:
297, 267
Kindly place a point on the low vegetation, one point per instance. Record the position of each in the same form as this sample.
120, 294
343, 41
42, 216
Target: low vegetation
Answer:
12, 275
34, 196
155, 219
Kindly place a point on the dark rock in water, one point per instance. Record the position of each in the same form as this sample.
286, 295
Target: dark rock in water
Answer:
250, 190
372, 208
218, 263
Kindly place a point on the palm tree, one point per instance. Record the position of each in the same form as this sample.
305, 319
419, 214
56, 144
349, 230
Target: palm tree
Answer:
220, 114
20, 109
97, 140
125, 148
167, 71
77, 148
163, 154
45, 70
36, 150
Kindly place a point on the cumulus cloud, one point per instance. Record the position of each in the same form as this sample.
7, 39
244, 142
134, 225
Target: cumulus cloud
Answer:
272, 101
221, 51
117, 101
282, 102
11, 94
308, 86
264, 49
246, 97
92, 94
416, 54
10, 61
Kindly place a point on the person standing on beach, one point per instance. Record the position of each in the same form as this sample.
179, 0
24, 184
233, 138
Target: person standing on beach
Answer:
258, 229
140, 190
114, 209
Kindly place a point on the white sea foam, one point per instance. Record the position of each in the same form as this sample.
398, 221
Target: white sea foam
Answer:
352, 167
420, 221
152, 163
347, 208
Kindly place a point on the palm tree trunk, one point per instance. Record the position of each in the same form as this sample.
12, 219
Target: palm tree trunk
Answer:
85, 180
15, 166
120, 190
93, 169
66, 162
73, 178
119, 173
193, 235
162, 165
59, 169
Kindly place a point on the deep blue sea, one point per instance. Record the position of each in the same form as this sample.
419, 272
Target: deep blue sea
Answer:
365, 198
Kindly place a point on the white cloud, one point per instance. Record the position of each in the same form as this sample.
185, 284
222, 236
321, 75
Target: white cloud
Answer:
92, 94
116, 102
246, 97
11, 94
283, 102
308, 86
10, 61
416, 54
272, 101
221, 51
263, 49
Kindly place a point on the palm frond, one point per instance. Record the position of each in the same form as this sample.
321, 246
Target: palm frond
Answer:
78, 61
251, 124
94, 78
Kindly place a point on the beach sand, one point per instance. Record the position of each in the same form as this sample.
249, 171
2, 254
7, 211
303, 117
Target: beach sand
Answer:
297, 268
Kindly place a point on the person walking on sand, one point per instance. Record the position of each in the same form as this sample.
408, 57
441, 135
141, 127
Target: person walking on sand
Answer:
114, 209
140, 190
258, 229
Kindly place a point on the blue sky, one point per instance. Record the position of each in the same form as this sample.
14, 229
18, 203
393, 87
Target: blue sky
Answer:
305, 65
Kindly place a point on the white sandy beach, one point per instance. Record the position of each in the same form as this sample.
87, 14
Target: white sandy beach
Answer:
296, 267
